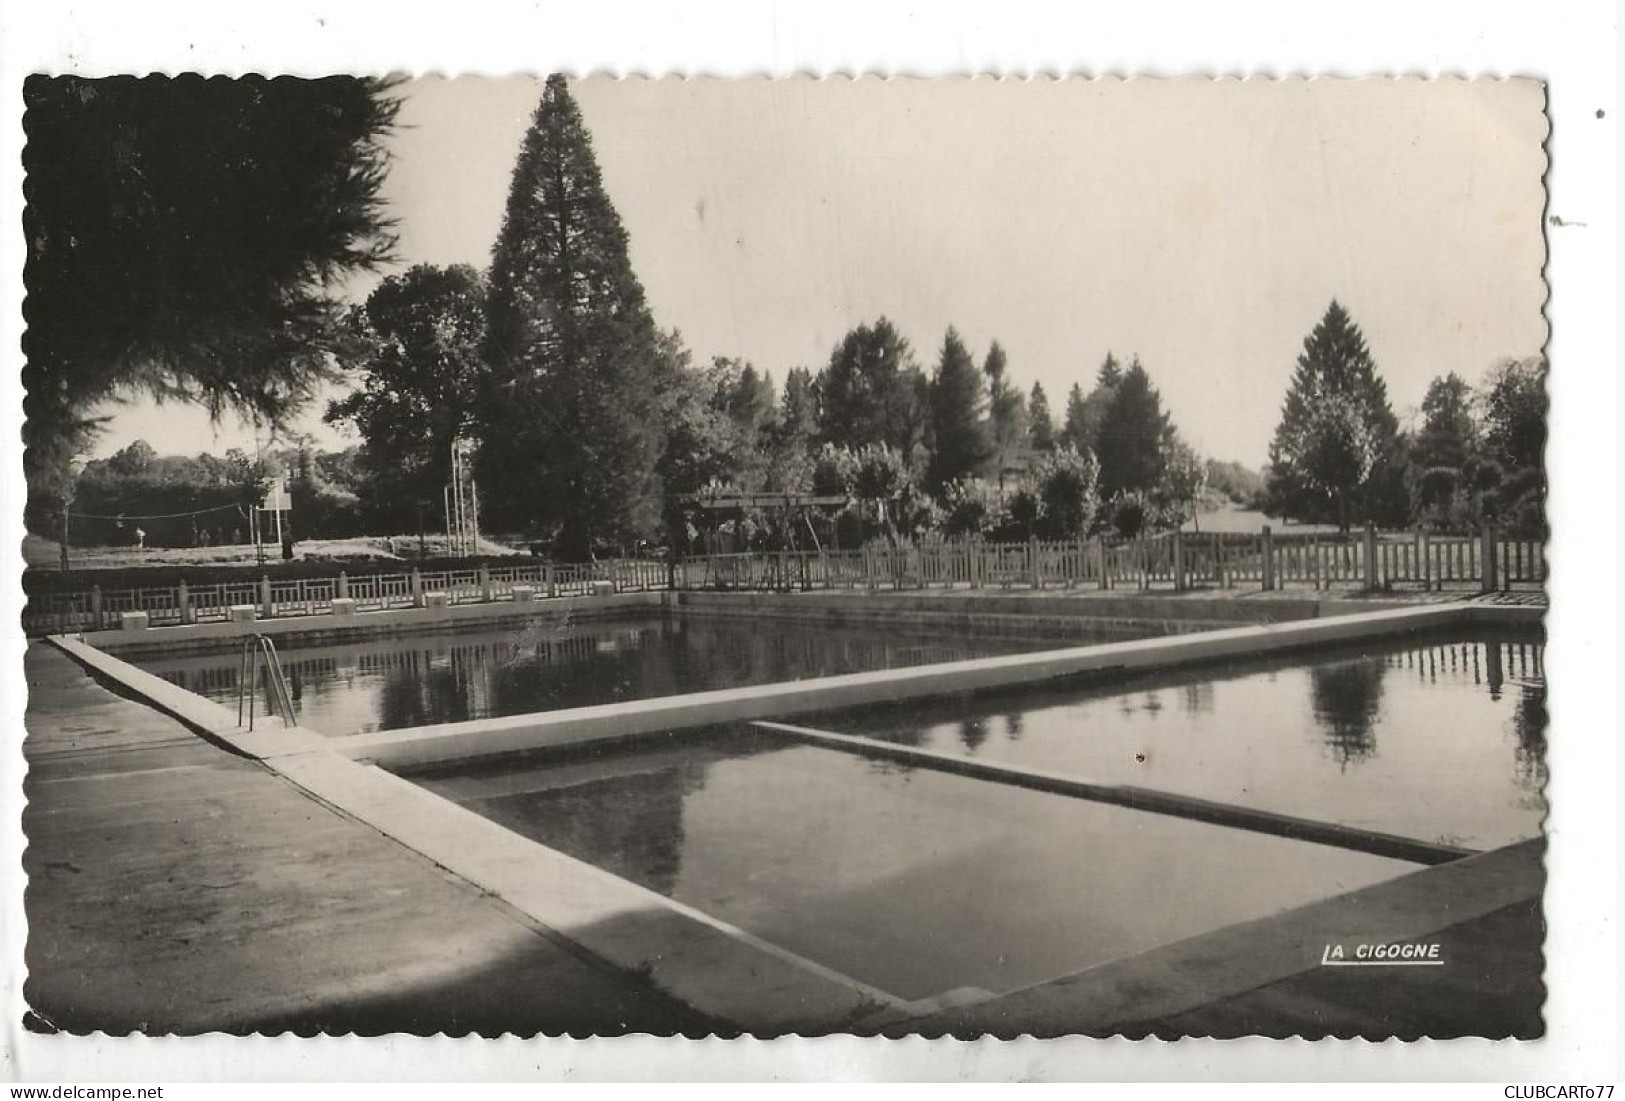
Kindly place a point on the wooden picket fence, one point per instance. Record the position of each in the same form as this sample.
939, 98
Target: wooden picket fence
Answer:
1178, 561
100, 609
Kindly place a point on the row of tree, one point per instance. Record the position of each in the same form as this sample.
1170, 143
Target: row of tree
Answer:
138, 495
187, 239
1340, 455
959, 450
592, 424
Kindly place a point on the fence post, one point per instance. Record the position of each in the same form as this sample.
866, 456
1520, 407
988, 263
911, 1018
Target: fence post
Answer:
1487, 564
266, 608
1100, 543
1032, 561
551, 579
183, 598
869, 579
1267, 550
417, 588
485, 582
1179, 561
343, 589
95, 607
1370, 556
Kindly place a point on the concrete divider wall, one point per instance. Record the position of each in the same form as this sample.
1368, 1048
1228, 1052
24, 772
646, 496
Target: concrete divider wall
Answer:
955, 621
892, 607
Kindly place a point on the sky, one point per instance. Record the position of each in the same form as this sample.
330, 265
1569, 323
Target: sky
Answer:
1201, 225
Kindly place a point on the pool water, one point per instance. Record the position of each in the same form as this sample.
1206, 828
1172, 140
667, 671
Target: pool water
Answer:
1437, 739
550, 663
913, 881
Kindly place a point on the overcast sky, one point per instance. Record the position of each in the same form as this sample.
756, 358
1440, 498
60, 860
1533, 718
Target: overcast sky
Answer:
1203, 226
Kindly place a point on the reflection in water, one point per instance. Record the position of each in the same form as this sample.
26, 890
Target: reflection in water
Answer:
972, 733
1529, 728
1441, 739
1347, 697
917, 883
392, 683
631, 825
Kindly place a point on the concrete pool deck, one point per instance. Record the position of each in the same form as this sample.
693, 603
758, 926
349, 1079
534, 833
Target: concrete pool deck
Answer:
176, 887
83, 726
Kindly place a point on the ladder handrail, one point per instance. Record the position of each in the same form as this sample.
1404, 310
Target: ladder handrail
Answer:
258, 653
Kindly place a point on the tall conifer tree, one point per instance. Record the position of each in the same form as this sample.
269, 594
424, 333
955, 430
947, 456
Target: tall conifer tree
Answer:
961, 443
872, 391
1006, 411
1074, 433
1095, 406
1135, 435
570, 420
1040, 423
1337, 433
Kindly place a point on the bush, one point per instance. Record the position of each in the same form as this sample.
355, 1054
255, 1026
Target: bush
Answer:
1129, 514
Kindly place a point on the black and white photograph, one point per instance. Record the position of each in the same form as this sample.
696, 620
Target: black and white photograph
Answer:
563, 555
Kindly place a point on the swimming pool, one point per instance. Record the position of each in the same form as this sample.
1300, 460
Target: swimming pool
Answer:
975, 827
552, 662
913, 881
1441, 739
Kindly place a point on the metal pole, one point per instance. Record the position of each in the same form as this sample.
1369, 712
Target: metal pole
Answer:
67, 507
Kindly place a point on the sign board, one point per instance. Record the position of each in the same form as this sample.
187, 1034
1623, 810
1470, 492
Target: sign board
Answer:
279, 499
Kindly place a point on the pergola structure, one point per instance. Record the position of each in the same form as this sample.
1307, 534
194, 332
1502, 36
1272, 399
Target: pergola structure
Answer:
791, 510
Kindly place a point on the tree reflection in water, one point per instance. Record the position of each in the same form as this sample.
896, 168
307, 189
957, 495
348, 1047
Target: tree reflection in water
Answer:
1013, 726
429, 687
972, 733
1347, 697
1529, 728
631, 825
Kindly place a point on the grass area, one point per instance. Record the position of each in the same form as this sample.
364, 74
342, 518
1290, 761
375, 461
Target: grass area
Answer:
1231, 519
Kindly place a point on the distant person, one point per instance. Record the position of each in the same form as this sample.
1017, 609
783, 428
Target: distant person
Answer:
287, 547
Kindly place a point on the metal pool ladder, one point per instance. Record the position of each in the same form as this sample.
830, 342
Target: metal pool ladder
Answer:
259, 653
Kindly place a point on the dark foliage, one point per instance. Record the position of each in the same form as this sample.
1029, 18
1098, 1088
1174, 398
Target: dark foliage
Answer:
962, 446
418, 350
185, 236
570, 426
1336, 453
1134, 436
1040, 422
872, 392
